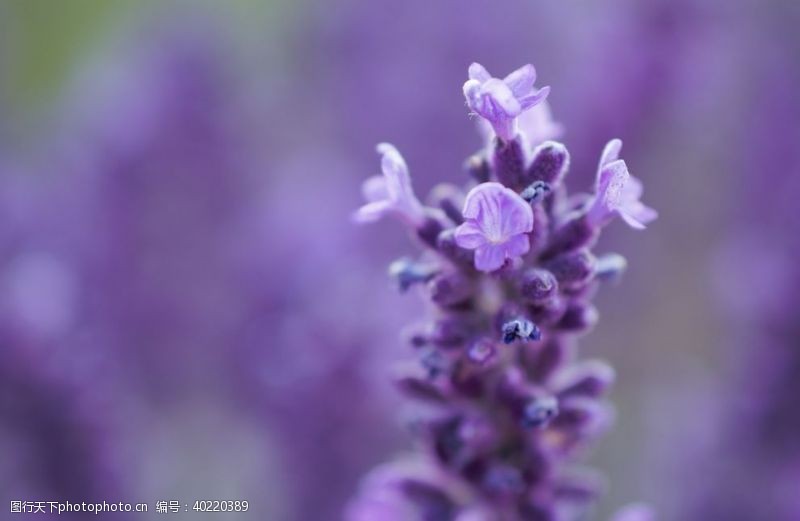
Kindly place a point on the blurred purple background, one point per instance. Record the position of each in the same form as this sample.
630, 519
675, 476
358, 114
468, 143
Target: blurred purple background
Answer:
188, 313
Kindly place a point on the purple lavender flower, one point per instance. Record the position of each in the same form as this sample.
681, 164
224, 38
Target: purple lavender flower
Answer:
618, 193
497, 221
500, 102
390, 193
508, 404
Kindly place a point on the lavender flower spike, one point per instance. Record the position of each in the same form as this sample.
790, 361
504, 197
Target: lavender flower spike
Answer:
618, 193
500, 101
497, 221
390, 193
507, 403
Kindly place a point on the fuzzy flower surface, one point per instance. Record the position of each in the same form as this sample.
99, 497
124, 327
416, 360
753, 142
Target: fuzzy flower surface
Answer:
501, 101
390, 193
505, 404
618, 193
497, 221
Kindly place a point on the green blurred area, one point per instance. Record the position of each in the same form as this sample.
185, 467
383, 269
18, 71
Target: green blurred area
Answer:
42, 40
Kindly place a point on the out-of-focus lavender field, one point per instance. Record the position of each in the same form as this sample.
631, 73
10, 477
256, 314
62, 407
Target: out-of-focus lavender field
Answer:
187, 311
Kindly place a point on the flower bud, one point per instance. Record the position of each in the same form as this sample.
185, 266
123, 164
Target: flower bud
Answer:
478, 168
573, 270
536, 192
537, 286
585, 378
578, 318
407, 272
449, 332
520, 329
482, 351
450, 199
539, 411
508, 160
550, 163
415, 385
576, 232
610, 267
449, 289
446, 245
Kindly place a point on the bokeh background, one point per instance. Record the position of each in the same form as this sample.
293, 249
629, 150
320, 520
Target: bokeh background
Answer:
187, 312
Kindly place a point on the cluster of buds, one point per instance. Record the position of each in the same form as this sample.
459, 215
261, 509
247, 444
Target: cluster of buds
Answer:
507, 264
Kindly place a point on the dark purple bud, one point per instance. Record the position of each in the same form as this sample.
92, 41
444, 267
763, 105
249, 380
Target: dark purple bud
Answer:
610, 267
573, 269
429, 500
431, 227
446, 244
585, 378
537, 286
503, 479
536, 192
550, 312
477, 433
449, 289
539, 411
541, 364
450, 199
449, 331
508, 160
577, 232
447, 442
434, 362
550, 163
407, 272
482, 351
520, 329
540, 233
418, 387
417, 335
583, 416
478, 168
578, 317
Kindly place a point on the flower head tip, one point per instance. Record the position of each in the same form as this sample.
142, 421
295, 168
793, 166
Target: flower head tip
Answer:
501, 101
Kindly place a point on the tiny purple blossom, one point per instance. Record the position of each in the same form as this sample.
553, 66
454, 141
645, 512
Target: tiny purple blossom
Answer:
390, 193
501, 101
618, 193
497, 221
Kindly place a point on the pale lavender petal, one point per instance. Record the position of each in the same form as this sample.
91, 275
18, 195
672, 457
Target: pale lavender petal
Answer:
478, 72
469, 235
374, 189
472, 93
517, 214
637, 215
538, 126
518, 245
521, 80
490, 257
613, 178
498, 101
534, 98
398, 182
610, 153
482, 196
633, 189
373, 211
